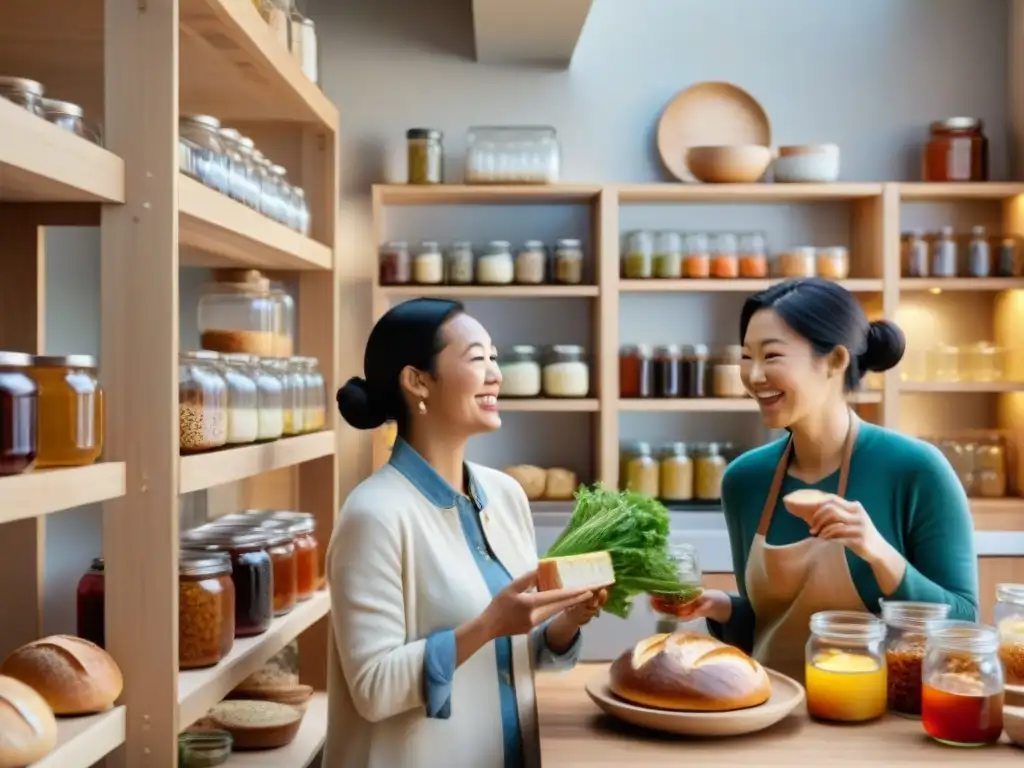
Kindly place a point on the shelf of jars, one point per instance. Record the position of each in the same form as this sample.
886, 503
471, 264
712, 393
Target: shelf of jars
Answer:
44, 491
459, 292
735, 285
717, 404
84, 741
930, 191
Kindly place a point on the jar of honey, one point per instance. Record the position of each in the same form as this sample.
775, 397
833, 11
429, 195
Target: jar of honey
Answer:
905, 644
70, 410
957, 150
845, 667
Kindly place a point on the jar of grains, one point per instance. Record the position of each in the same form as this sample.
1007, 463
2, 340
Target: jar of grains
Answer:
728, 381
709, 468
202, 403
531, 263
425, 151
641, 470
565, 372
428, 264
459, 267
675, 473
568, 261
520, 372
905, 644
697, 265
496, 265
206, 609
833, 262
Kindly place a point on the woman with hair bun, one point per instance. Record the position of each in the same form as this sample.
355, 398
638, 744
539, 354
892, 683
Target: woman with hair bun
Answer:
893, 522
432, 564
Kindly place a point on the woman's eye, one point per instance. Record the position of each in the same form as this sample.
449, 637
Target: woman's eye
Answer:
772, 356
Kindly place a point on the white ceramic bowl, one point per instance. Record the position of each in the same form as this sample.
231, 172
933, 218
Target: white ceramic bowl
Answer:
808, 163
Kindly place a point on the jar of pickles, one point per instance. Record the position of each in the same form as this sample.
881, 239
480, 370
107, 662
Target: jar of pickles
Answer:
668, 255
71, 410
206, 609
638, 256
845, 667
202, 403
19, 403
90, 604
905, 644
675, 473
1008, 617
709, 468
642, 471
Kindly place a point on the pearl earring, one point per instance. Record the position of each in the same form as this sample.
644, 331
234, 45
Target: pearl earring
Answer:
423, 408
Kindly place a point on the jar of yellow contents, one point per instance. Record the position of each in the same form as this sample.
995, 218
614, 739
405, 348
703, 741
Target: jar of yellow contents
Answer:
845, 667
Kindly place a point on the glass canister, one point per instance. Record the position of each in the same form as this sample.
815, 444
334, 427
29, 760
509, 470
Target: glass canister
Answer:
19, 414
1008, 616
71, 410
797, 262
845, 672
70, 117
26, 93
905, 644
636, 371
284, 320
243, 184
280, 545
638, 256
962, 691
206, 609
709, 468
269, 198
979, 254
668, 255
753, 256
268, 394
915, 255
428, 264
302, 527
304, 218
957, 150
202, 403
945, 258
254, 173
725, 256
942, 363
242, 402
201, 152
238, 316
395, 263
293, 387
990, 473
833, 262
425, 150
688, 568
90, 604
495, 266
675, 470
316, 396
694, 370
697, 265
726, 373
286, 212
460, 264
520, 372
568, 261
1007, 259
565, 372
667, 371
531, 263
203, 749
642, 470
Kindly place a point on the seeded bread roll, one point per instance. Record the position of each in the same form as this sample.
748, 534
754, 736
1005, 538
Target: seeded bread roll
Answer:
28, 729
560, 484
530, 477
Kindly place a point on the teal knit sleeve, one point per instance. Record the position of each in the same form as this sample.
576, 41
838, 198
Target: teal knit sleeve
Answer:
739, 630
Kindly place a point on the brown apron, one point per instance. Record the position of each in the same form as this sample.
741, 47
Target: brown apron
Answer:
787, 584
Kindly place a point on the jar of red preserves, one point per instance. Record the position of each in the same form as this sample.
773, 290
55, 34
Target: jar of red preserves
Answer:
90, 604
19, 414
302, 526
956, 151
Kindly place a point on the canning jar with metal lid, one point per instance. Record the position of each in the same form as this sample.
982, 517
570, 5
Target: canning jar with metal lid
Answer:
206, 609
71, 410
23, 92
425, 150
957, 150
709, 468
302, 527
844, 667
676, 473
568, 268
71, 118
202, 153
641, 470
19, 403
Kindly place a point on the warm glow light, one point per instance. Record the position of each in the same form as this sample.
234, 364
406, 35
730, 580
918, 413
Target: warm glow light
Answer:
935, 291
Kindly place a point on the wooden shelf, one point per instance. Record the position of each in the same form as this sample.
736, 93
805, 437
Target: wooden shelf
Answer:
83, 741
924, 191
200, 689
301, 752
549, 405
489, 291
223, 232
52, 490
740, 285
974, 284
998, 514
747, 193
207, 470
716, 404
485, 194
961, 387
42, 163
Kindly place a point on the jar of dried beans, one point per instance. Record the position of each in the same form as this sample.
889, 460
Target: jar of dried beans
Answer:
905, 644
1009, 620
206, 609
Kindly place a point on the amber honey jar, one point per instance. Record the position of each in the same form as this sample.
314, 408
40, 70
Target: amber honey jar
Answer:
206, 609
71, 419
957, 150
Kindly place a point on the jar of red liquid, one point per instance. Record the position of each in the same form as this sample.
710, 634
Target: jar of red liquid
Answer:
962, 685
957, 150
688, 568
90, 603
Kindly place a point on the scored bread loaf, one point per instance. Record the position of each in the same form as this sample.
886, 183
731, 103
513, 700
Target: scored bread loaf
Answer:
688, 671
590, 571
28, 729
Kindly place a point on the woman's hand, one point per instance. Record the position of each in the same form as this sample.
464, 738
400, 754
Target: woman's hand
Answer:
515, 610
580, 614
847, 522
712, 604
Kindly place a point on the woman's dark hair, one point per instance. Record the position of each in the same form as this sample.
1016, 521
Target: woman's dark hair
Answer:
828, 316
407, 334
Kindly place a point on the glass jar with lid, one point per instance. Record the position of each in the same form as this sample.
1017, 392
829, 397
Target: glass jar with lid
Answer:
637, 259
979, 253
293, 388
753, 255
302, 526
845, 667
709, 468
270, 419
962, 685
71, 118
531, 263
1008, 616
725, 256
425, 150
565, 372
460, 263
202, 749
520, 371
728, 381
26, 93
833, 262
284, 320
315, 401
675, 473
512, 154
90, 604
641, 470
280, 546
238, 316
990, 475
667, 371
206, 609
71, 410
240, 186
395, 263
286, 212
668, 255
698, 256
495, 265
428, 264
254, 172
957, 150
688, 569
242, 403
636, 371
797, 262
303, 216
19, 402
269, 198
568, 268
905, 644
914, 254
202, 403
945, 257
694, 370
201, 151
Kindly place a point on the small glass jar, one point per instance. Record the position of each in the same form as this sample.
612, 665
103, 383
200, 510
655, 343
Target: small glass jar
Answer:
694, 371
286, 210
284, 320
636, 371
797, 262
425, 150
697, 265
667, 371
568, 261
833, 262
726, 373
495, 266
71, 118
565, 372
688, 569
428, 264
1007, 261
395, 263
202, 403
642, 470
26, 93
316, 395
753, 256
269, 395
979, 254
281, 548
944, 254
905, 645
90, 604
240, 186
531, 263
638, 255
270, 194
845, 667
238, 316
1008, 616
204, 749
19, 404
668, 256
253, 189
942, 363
293, 387
304, 218
962, 685
676, 473
71, 410
725, 257
915, 255
242, 403
460, 264
957, 150
990, 475
206, 609
302, 527
520, 372
201, 151
708, 469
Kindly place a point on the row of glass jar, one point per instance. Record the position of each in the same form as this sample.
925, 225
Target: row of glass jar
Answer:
51, 412
494, 155
532, 264
64, 114
560, 370
242, 311
981, 462
677, 471
674, 255
945, 254
236, 399
225, 160
295, 32
674, 370
980, 362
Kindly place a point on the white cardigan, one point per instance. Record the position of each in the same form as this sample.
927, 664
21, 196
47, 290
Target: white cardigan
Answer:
399, 570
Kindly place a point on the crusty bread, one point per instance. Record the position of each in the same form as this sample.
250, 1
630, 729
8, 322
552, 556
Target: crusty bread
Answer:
530, 477
74, 676
559, 484
688, 671
590, 571
28, 729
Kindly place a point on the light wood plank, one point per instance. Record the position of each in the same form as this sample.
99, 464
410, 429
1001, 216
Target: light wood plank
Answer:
739, 285
83, 741
403, 292
940, 284
746, 193
301, 752
485, 194
962, 387
53, 490
998, 514
924, 191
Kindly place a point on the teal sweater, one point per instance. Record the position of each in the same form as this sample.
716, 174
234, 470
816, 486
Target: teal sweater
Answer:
914, 499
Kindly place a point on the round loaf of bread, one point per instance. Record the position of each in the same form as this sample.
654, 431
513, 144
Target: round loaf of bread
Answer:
74, 676
28, 729
688, 671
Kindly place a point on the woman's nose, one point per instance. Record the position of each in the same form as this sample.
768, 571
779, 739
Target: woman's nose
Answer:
493, 374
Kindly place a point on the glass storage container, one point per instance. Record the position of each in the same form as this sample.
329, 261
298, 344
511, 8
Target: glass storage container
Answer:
638, 256
202, 403
270, 419
905, 645
201, 152
71, 410
293, 389
315, 403
495, 265
1007, 261
979, 255
460, 264
512, 155
428, 264
286, 212
284, 320
962, 688
694, 371
833, 262
268, 200
204, 749
944, 254
753, 256
916, 261
531, 263
697, 265
23, 92
243, 185
253, 171
280, 546
728, 381
206, 609
636, 371
667, 371
90, 604
942, 363
565, 372
425, 151
306, 49
675, 473
709, 468
568, 261
797, 262
19, 414
1008, 616
990, 472
845, 667
251, 572
238, 316
641, 470
957, 150
668, 255
983, 362
302, 526
71, 118
242, 403
395, 264
520, 372
303, 216
725, 256
688, 567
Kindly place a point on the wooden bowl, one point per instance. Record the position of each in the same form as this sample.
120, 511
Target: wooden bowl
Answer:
297, 696
740, 164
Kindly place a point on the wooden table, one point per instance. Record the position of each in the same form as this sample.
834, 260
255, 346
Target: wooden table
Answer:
574, 732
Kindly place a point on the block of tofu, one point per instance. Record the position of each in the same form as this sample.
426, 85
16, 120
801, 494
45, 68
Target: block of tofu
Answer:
591, 571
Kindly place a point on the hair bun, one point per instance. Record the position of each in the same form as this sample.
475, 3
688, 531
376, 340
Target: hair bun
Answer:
886, 345
358, 406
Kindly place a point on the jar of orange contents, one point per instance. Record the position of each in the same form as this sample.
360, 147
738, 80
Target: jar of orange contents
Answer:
302, 525
962, 685
284, 562
688, 569
845, 667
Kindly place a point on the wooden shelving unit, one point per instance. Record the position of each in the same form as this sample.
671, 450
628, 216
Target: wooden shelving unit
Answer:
135, 67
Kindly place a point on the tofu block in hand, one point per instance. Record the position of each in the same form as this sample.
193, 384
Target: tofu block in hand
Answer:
590, 571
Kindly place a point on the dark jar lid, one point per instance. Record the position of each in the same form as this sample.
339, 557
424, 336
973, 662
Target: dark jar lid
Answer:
431, 134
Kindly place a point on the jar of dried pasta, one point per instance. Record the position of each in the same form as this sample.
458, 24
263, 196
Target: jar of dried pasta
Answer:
905, 644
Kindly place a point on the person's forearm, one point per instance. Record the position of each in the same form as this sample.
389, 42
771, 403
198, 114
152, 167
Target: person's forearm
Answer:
561, 633
888, 566
470, 638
